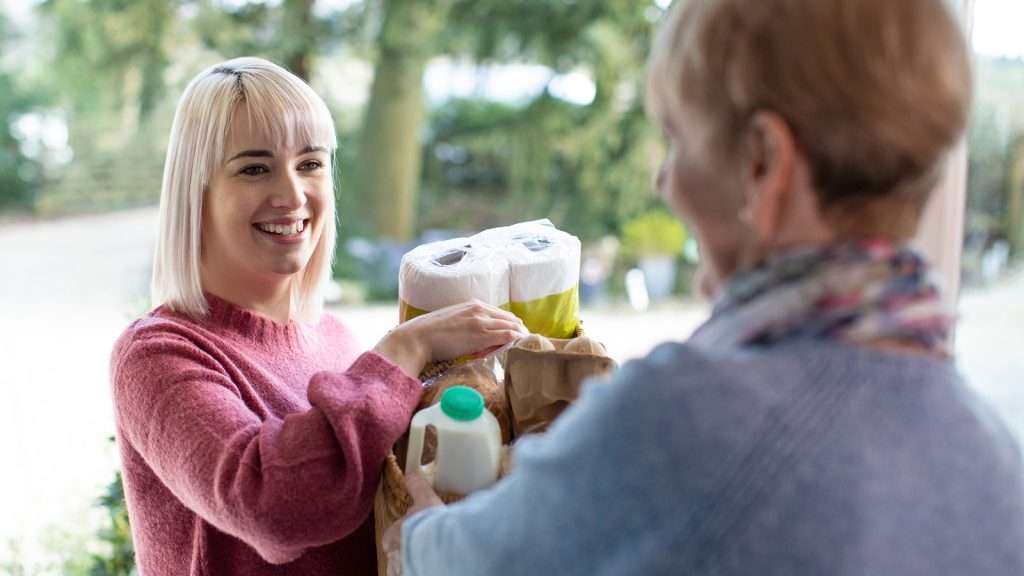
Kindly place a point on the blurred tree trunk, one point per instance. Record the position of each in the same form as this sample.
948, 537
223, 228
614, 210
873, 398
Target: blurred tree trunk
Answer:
389, 165
299, 37
152, 88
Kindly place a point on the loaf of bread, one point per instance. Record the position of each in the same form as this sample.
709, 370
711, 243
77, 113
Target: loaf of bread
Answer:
585, 345
535, 342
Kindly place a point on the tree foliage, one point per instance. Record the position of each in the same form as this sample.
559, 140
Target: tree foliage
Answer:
994, 206
586, 166
289, 32
20, 176
111, 53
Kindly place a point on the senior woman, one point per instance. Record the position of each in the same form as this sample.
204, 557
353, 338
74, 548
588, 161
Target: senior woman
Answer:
816, 424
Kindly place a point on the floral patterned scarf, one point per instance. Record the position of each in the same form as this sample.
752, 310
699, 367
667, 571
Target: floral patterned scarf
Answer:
854, 291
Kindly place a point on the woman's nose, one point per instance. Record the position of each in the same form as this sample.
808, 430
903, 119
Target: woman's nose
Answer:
291, 193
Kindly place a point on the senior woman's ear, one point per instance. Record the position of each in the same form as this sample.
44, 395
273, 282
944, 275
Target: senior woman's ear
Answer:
777, 181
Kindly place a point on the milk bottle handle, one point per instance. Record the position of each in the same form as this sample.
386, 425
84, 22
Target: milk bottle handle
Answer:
417, 430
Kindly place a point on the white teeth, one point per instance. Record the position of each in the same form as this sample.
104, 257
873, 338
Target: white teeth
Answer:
283, 229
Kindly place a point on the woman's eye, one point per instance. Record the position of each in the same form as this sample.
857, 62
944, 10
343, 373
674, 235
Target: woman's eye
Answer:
311, 165
255, 170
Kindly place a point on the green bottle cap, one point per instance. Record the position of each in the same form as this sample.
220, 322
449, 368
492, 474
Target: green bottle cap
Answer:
462, 403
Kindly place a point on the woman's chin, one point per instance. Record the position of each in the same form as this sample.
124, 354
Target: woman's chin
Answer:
288, 267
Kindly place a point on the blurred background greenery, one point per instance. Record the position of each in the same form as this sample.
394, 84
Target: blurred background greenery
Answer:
511, 110
506, 109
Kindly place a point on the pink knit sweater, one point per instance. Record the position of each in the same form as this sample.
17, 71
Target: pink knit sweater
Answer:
252, 447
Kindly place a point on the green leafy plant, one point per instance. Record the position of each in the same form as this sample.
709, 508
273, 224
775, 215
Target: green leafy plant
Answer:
655, 233
120, 561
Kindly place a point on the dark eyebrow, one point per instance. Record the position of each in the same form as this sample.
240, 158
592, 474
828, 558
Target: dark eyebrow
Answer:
253, 153
269, 154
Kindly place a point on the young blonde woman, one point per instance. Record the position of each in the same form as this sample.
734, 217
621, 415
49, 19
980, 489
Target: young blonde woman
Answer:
816, 424
252, 430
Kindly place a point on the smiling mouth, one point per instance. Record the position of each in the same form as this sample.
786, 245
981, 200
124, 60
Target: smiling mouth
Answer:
293, 229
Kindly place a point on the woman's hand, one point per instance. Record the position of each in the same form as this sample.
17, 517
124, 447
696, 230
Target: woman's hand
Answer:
423, 497
448, 333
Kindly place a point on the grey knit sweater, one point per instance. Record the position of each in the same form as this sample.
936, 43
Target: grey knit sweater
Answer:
809, 458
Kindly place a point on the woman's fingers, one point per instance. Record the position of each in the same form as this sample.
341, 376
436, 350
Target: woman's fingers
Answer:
422, 492
464, 329
496, 332
505, 314
491, 341
394, 563
492, 325
494, 311
502, 337
423, 497
392, 545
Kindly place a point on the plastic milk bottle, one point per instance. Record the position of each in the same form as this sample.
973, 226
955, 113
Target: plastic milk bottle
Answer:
468, 442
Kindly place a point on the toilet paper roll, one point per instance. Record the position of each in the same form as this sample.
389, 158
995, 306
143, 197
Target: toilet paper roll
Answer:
440, 274
544, 275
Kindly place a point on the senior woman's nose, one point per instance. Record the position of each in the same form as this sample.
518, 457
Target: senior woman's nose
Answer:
661, 177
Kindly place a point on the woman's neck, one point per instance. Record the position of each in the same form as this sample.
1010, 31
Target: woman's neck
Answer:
273, 300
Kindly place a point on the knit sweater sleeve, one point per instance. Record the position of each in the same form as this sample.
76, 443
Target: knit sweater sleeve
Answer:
280, 485
620, 484
582, 499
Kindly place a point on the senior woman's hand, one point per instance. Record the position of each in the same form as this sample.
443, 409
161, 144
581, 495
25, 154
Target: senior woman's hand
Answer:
448, 333
423, 497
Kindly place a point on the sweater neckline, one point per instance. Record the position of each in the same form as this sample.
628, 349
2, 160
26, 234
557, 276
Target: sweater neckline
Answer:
252, 325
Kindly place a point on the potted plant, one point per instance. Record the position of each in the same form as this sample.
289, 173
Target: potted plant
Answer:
655, 239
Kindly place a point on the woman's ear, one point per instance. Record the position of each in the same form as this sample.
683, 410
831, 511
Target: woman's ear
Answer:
769, 168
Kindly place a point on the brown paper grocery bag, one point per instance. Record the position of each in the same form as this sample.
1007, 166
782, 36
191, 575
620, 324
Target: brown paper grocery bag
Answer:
539, 385
392, 499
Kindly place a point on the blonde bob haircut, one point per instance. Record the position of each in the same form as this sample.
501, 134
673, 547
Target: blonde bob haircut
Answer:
275, 100
876, 92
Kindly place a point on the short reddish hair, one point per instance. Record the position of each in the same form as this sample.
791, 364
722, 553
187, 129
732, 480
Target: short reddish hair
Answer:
875, 91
